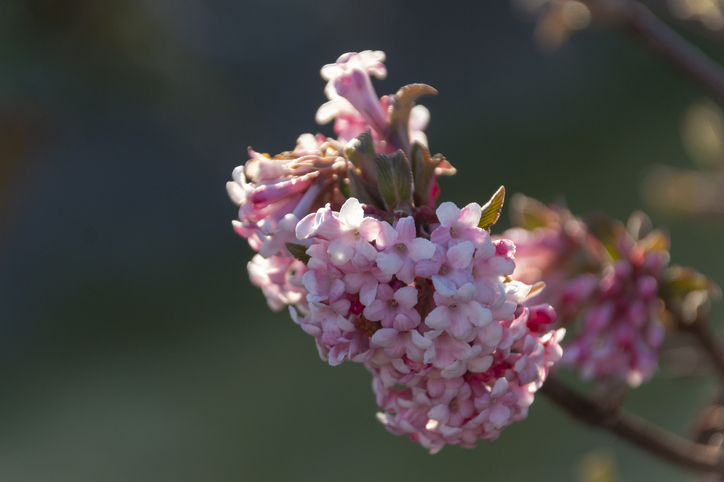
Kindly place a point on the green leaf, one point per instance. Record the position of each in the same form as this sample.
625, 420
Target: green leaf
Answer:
361, 152
679, 281
423, 172
608, 231
492, 209
362, 145
299, 252
402, 103
394, 179
344, 188
528, 213
365, 192
656, 240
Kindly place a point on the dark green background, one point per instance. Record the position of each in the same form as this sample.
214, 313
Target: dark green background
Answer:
132, 346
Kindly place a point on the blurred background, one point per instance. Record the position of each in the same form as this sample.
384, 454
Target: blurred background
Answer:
132, 345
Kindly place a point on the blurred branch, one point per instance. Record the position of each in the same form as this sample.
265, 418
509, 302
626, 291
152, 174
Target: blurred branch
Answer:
663, 40
698, 326
665, 445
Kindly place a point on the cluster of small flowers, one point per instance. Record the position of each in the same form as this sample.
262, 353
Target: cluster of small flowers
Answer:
622, 331
613, 287
272, 195
436, 321
424, 299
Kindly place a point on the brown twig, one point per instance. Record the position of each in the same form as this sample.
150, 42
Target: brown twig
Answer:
665, 445
699, 328
664, 41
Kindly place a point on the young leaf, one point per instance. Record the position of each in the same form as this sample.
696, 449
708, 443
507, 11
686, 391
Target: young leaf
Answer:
402, 103
656, 240
528, 213
361, 152
365, 192
680, 281
492, 209
394, 179
362, 145
344, 189
299, 252
423, 172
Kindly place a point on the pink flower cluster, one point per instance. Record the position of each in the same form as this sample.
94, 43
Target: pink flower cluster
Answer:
424, 299
272, 195
611, 286
437, 322
355, 106
621, 331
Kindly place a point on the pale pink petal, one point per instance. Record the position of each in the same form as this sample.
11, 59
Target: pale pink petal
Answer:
384, 337
438, 318
499, 415
369, 228
351, 212
420, 248
389, 263
448, 213
444, 285
470, 215
368, 292
339, 251
480, 364
406, 296
460, 255
439, 412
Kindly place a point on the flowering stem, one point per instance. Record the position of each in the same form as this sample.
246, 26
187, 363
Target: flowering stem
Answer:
657, 441
708, 342
664, 41
711, 346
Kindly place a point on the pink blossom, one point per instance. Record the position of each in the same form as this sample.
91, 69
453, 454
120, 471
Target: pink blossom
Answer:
274, 193
394, 309
402, 249
355, 105
460, 315
457, 225
348, 231
449, 269
280, 279
424, 299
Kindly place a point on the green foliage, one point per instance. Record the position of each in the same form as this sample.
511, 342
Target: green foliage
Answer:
679, 281
492, 209
299, 252
394, 179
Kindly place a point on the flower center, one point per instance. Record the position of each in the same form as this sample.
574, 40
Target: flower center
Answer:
366, 326
453, 233
393, 304
453, 306
355, 233
443, 270
400, 246
453, 404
